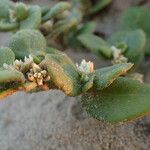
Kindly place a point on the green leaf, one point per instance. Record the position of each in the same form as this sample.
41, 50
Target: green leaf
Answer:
89, 84
6, 56
99, 6
33, 20
96, 44
6, 25
106, 76
5, 5
135, 41
52, 50
55, 10
63, 73
21, 11
44, 10
125, 99
64, 26
137, 18
87, 28
26, 42
61, 27
7, 76
72, 38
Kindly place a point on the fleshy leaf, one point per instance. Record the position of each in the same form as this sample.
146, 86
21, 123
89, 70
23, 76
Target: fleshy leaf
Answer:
96, 44
87, 28
137, 18
5, 5
26, 42
7, 76
6, 25
63, 26
99, 6
33, 20
123, 100
106, 76
72, 38
55, 10
63, 73
89, 84
6, 56
21, 11
135, 41
44, 10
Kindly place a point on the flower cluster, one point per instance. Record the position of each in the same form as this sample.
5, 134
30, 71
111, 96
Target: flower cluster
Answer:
36, 74
85, 68
31, 70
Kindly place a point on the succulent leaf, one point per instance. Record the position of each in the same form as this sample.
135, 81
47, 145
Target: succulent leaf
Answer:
87, 28
7, 76
99, 6
96, 44
106, 76
63, 73
26, 42
6, 56
137, 18
6, 25
72, 38
55, 10
44, 10
5, 5
21, 11
33, 20
63, 26
123, 100
89, 84
135, 41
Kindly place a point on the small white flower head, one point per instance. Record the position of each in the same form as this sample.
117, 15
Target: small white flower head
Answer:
116, 52
8, 67
37, 74
118, 57
40, 76
29, 59
85, 67
17, 64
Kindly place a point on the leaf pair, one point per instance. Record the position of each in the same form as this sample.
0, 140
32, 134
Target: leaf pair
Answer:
131, 44
66, 76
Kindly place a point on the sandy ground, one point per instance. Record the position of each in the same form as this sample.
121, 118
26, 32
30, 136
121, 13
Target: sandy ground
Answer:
52, 121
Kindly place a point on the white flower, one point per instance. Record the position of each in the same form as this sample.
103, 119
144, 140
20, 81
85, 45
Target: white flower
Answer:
19, 64
86, 67
118, 57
